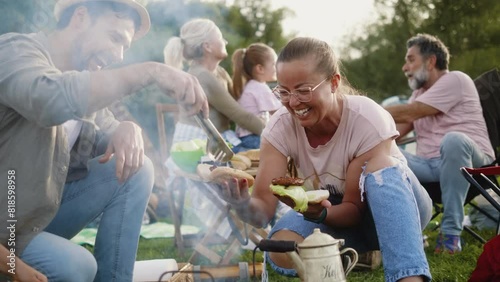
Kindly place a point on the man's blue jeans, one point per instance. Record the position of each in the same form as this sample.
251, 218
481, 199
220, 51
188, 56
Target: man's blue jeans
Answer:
457, 150
122, 206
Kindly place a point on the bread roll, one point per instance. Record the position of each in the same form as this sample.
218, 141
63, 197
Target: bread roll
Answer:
295, 195
203, 171
253, 155
242, 158
224, 173
317, 196
239, 165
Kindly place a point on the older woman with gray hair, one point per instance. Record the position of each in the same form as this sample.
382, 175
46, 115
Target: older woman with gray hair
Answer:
203, 47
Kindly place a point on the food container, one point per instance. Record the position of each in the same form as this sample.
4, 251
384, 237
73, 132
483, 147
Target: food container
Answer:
186, 155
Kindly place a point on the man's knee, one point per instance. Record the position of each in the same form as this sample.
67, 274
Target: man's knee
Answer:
83, 270
77, 264
146, 171
144, 177
453, 142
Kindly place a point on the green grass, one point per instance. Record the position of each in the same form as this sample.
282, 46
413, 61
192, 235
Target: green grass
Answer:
444, 267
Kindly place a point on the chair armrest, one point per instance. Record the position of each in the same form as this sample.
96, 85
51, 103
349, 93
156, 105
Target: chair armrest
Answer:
406, 140
490, 170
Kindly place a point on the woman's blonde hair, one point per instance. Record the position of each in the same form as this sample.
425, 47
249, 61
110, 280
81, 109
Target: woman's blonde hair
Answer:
188, 45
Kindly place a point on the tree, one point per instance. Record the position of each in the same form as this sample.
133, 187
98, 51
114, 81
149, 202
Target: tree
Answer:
254, 21
242, 23
26, 16
471, 30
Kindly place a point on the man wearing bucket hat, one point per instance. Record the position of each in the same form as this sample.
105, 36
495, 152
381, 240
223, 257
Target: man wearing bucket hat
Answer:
65, 160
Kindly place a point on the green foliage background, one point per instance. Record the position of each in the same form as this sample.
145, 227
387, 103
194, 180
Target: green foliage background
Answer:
239, 24
372, 57
470, 29
242, 23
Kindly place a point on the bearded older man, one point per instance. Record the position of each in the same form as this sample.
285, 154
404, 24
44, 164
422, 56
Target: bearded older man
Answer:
446, 114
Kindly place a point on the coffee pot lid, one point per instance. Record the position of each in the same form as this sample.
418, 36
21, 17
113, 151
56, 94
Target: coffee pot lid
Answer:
318, 239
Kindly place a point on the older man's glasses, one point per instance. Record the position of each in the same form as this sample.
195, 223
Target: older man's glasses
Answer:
303, 94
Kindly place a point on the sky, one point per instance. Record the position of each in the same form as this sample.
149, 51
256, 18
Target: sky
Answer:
329, 20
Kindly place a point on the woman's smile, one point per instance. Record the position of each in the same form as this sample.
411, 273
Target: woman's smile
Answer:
302, 112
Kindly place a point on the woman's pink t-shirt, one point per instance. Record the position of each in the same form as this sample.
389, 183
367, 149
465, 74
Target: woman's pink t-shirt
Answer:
363, 125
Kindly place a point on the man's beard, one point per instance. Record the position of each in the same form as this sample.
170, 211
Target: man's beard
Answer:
419, 78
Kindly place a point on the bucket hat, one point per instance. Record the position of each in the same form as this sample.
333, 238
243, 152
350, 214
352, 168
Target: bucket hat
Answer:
62, 5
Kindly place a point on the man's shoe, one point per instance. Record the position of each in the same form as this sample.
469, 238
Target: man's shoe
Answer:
425, 241
368, 261
448, 244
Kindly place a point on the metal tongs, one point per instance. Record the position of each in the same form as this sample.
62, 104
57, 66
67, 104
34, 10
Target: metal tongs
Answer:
217, 148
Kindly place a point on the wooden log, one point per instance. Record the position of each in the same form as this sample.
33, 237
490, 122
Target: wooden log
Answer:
221, 271
184, 274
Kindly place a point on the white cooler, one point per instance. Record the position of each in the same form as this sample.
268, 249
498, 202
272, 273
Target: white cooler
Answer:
151, 270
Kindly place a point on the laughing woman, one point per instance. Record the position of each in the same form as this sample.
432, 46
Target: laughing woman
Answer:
376, 203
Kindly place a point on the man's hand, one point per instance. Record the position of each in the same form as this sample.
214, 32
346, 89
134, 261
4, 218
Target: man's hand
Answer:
26, 273
127, 146
23, 272
182, 86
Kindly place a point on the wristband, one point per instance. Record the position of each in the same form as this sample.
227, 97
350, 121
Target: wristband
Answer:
320, 219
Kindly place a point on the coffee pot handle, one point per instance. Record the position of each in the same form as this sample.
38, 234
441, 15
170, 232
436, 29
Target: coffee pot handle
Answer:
353, 259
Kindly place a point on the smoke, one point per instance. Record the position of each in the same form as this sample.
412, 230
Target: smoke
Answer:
28, 16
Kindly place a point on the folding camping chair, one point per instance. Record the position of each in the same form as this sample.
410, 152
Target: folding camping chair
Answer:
482, 179
241, 232
488, 86
162, 110
478, 178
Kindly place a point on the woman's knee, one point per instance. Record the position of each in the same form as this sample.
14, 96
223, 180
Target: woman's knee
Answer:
288, 235
281, 259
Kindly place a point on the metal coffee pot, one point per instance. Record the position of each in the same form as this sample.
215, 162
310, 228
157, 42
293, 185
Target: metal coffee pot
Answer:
317, 258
